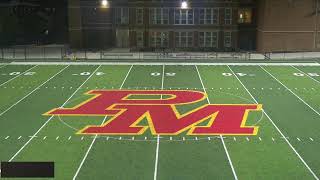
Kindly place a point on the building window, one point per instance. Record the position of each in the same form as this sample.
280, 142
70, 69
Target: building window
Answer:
140, 39
228, 16
159, 39
245, 15
227, 39
122, 15
139, 16
159, 16
208, 16
184, 39
183, 16
208, 39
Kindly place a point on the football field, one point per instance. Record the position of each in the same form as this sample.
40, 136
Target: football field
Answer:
286, 143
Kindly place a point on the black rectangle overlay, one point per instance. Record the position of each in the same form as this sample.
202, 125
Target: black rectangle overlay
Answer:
27, 169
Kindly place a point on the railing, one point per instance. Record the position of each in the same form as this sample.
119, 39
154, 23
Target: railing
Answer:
63, 53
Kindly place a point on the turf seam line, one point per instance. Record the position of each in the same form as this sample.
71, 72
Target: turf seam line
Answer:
291, 91
35, 134
222, 140
306, 74
33, 91
295, 151
18, 75
95, 137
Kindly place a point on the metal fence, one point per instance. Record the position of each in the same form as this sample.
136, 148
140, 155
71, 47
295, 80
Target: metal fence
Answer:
64, 53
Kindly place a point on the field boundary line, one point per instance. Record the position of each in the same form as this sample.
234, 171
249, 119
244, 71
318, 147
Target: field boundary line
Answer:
290, 91
173, 63
158, 136
18, 75
33, 90
95, 137
35, 134
284, 137
3, 66
221, 137
306, 74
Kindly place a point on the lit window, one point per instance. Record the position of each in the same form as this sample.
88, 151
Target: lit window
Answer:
245, 15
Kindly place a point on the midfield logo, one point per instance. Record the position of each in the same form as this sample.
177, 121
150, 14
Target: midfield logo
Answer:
126, 112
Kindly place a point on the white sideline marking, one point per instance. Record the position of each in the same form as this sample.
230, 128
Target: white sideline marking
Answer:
32, 91
158, 136
166, 63
306, 74
18, 75
291, 91
95, 137
3, 66
51, 117
295, 151
221, 137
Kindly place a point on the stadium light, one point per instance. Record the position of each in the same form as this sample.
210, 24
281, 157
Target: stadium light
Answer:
184, 5
104, 3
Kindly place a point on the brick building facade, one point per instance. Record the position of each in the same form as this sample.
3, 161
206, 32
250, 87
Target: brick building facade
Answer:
215, 25
205, 25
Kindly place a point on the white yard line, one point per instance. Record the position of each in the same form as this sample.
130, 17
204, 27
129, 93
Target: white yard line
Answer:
222, 140
95, 137
158, 136
306, 74
167, 63
32, 92
291, 91
282, 135
18, 75
35, 134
